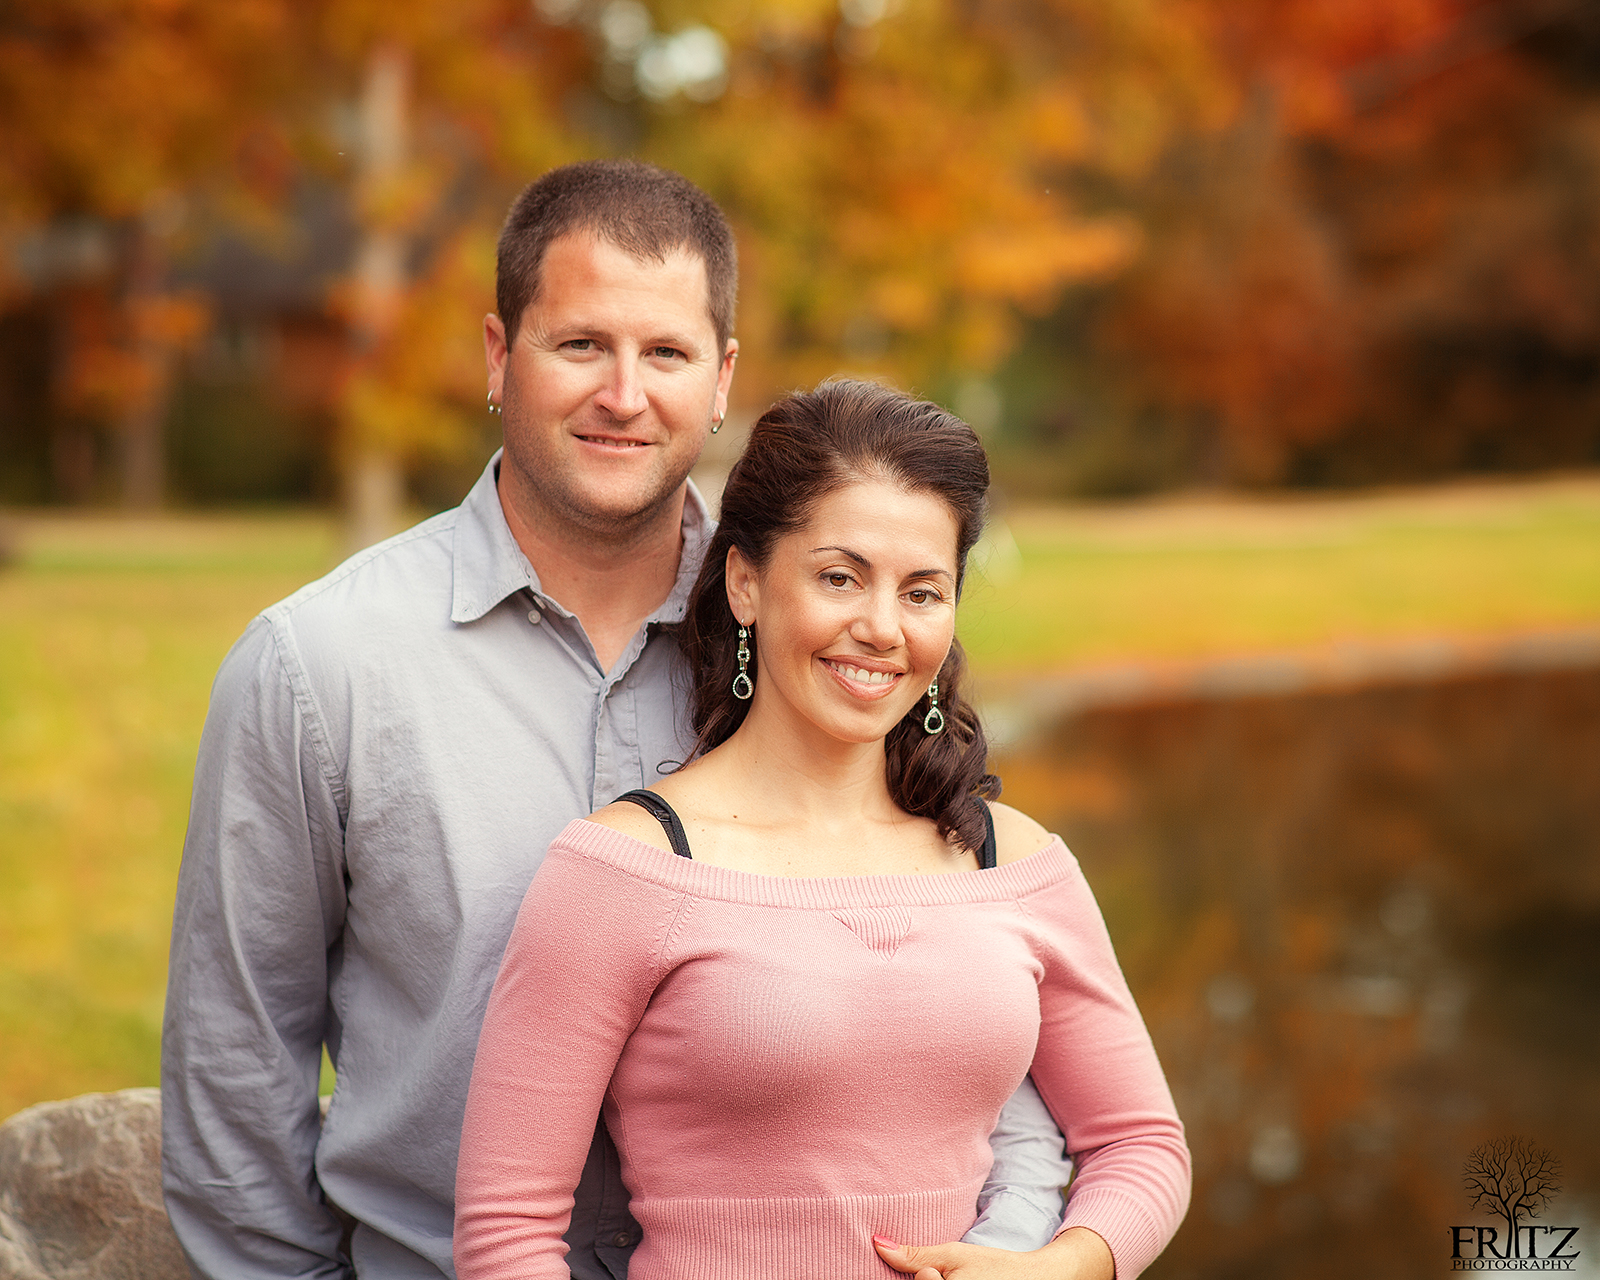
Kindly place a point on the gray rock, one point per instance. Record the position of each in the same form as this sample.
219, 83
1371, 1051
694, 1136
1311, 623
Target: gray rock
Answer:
80, 1191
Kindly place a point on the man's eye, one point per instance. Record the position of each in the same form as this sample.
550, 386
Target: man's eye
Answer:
579, 344
667, 353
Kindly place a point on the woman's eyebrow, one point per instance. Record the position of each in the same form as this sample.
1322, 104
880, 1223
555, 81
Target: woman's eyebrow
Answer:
845, 551
867, 564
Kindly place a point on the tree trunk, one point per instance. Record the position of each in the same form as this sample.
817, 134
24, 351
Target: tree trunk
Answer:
141, 426
374, 497
142, 441
374, 488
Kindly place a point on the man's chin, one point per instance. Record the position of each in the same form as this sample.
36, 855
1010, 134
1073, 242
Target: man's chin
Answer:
612, 498
621, 511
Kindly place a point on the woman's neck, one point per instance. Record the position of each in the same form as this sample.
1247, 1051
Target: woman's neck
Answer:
779, 799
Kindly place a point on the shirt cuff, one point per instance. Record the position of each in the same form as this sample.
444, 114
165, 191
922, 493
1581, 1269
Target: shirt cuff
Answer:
1012, 1220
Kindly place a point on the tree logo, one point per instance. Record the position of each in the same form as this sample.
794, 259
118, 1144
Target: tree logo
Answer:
1512, 1178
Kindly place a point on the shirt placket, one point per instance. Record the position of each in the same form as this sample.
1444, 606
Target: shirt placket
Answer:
617, 763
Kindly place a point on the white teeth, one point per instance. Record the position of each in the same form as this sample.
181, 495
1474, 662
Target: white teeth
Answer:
864, 677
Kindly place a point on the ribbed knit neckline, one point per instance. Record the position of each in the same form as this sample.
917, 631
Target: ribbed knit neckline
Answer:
646, 862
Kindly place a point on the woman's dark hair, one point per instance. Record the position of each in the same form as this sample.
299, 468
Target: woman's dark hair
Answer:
805, 447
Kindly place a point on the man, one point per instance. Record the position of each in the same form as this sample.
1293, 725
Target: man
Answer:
389, 751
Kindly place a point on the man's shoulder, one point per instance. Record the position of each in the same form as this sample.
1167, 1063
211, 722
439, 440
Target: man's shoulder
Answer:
405, 574
358, 613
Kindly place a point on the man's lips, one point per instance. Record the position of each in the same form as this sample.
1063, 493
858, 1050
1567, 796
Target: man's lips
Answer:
612, 442
862, 681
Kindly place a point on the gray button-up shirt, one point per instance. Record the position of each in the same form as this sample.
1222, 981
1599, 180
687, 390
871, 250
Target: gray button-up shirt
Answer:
387, 754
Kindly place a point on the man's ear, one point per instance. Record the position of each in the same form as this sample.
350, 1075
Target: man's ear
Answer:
725, 379
743, 589
495, 351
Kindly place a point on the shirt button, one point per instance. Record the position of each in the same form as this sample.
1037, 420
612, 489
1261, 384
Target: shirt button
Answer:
622, 1239
535, 617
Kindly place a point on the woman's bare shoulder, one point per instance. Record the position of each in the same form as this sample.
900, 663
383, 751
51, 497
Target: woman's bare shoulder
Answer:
632, 820
1016, 835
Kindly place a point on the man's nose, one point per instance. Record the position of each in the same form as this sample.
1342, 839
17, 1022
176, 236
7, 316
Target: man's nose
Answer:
622, 394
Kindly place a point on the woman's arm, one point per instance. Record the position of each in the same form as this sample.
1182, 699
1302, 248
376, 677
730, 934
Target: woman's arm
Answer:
1098, 1073
577, 974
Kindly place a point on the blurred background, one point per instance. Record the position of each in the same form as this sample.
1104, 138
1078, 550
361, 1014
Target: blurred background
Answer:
1280, 319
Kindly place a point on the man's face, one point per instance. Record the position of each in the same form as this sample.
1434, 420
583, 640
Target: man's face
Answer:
610, 387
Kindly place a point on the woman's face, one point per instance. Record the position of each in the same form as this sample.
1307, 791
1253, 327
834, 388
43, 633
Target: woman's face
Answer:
854, 613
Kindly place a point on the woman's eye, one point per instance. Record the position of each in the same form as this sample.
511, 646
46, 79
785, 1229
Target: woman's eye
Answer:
837, 579
923, 595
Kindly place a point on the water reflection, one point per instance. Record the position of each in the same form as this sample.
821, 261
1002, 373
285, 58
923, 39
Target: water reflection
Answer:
1364, 925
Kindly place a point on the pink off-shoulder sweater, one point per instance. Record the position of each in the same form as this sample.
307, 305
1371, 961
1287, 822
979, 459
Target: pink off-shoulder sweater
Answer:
790, 1066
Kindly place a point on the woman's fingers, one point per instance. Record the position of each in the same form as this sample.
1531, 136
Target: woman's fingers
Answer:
920, 1262
1075, 1254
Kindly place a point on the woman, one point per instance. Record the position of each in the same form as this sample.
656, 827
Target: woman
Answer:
802, 974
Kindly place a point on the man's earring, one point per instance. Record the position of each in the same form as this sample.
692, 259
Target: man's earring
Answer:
493, 407
933, 722
716, 425
742, 688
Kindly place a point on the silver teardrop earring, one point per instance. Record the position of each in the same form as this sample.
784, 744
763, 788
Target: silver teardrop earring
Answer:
933, 722
742, 687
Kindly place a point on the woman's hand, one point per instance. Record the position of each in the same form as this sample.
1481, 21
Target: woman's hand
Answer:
1075, 1254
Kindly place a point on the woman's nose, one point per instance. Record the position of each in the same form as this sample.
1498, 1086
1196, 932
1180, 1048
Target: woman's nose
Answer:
878, 623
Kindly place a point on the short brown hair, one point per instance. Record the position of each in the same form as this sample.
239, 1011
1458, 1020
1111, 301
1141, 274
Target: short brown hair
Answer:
644, 210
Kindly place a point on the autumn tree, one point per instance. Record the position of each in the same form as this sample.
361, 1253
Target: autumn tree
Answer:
1514, 1178
116, 115
1379, 266
899, 171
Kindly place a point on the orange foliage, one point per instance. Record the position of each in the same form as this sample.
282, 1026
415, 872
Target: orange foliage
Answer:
1383, 264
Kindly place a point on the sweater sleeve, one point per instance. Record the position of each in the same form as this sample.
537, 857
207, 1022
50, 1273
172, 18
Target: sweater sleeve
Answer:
581, 965
1098, 1073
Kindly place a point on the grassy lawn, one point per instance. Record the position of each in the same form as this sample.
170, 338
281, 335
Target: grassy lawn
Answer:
1183, 579
111, 629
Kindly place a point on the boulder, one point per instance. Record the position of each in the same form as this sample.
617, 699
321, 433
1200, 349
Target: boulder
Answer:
80, 1191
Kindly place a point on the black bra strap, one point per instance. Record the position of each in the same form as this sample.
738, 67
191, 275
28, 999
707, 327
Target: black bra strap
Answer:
670, 822
665, 815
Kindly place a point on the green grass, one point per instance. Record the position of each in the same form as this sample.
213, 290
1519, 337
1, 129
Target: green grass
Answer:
111, 630
1192, 579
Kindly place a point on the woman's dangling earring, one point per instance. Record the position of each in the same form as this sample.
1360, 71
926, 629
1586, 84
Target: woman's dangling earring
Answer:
493, 407
742, 688
933, 722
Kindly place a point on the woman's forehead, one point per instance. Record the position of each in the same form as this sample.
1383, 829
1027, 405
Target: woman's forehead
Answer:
884, 513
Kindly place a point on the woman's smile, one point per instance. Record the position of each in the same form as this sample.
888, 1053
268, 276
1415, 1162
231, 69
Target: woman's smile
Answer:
863, 682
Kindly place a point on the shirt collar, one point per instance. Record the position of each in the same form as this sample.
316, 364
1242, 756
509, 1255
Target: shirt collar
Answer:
488, 565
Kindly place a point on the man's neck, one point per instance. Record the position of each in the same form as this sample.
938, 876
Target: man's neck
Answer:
611, 582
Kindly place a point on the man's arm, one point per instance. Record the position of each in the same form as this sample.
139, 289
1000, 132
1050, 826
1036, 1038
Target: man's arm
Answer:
260, 905
1020, 1205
